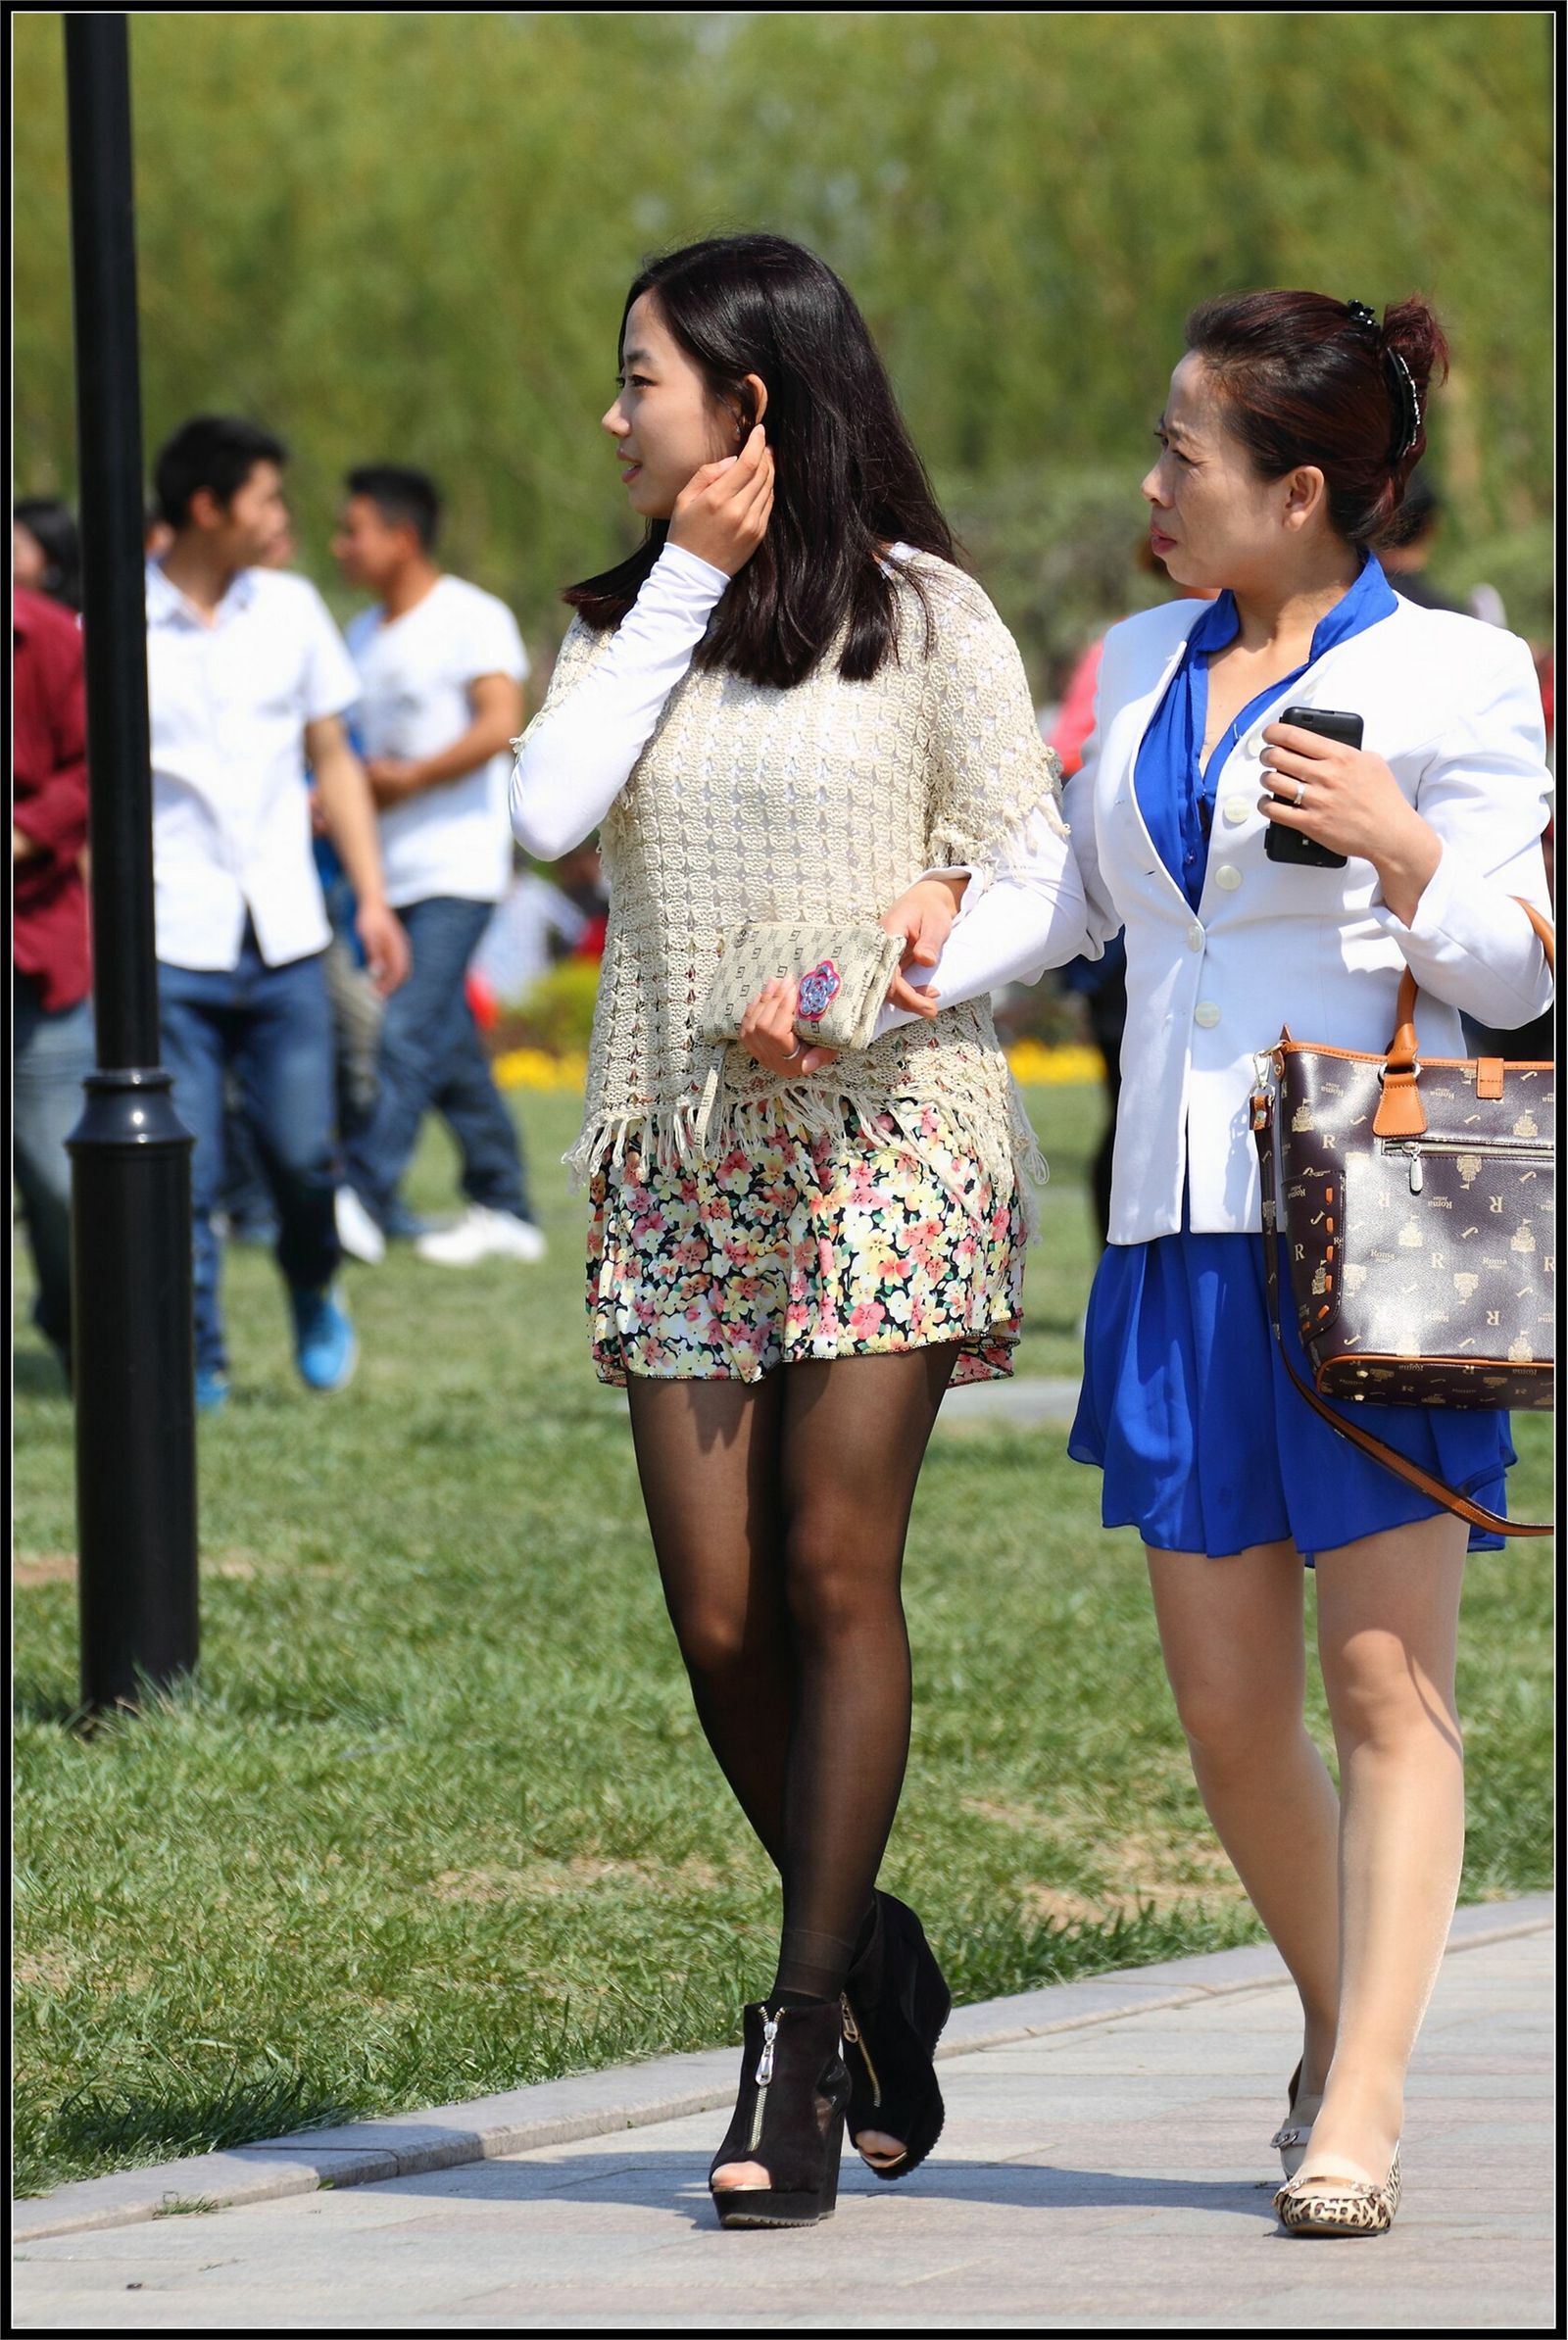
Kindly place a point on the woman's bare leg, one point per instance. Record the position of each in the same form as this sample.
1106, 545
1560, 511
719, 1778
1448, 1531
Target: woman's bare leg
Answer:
1231, 1634
1388, 1612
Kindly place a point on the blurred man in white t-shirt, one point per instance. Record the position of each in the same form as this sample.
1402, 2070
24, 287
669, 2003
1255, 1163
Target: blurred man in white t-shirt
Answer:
248, 681
441, 673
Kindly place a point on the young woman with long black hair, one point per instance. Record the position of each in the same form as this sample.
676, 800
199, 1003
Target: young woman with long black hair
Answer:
788, 703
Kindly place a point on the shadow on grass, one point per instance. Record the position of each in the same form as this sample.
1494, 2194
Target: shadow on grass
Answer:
286, 1705
994, 1954
264, 1398
34, 1702
123, 2129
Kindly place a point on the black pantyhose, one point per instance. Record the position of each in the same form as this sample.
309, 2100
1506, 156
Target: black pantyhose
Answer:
778, 1512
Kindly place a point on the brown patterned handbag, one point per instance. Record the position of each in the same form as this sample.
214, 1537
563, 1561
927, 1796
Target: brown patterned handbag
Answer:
1414, 1202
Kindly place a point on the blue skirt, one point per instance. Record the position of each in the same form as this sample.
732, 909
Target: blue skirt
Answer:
1205, 1445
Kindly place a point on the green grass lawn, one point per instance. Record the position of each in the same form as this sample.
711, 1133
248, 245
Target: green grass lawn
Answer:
439, 1820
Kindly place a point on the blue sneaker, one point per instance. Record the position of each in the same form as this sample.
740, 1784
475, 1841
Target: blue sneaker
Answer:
212, 1390
325, 1349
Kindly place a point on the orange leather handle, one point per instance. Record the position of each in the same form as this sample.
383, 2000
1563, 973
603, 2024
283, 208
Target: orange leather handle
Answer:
1399, 1112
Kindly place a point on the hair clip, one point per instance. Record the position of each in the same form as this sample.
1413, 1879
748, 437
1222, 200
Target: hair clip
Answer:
1410, 403
1362, 317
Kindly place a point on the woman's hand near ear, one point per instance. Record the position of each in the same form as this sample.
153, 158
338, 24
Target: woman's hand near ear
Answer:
721, 513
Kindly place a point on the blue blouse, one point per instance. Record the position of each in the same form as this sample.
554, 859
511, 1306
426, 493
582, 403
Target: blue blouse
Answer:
1186, 1406
1175, 795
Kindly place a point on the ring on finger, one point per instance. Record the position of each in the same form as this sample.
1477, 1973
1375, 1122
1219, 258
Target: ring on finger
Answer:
1300, 794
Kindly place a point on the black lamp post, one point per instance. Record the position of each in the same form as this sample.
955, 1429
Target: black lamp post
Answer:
131, 1333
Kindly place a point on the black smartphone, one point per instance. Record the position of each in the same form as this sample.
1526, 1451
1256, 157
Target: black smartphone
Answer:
1288, 844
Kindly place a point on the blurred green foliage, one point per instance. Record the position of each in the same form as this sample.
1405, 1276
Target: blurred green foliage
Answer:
409, 234
555, 1013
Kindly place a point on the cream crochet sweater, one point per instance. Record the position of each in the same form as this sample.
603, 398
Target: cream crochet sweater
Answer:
827, 801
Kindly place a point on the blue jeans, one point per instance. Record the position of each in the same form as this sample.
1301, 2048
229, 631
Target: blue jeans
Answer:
431, 1055
52, 1056
243, 1196
273, 1027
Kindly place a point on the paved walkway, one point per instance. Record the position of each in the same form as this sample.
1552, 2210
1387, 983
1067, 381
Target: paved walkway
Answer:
1027, 1403
1106, 2165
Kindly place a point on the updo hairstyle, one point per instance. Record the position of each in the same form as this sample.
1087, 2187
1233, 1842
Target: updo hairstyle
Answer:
1308, 379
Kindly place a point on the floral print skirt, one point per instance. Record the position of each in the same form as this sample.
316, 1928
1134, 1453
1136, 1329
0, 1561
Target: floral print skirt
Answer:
860, 1243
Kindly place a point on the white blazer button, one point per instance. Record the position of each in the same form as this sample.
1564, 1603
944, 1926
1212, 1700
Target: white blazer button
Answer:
1195, 938
1256, 743
1228, 876
1205, 1013
1236, 809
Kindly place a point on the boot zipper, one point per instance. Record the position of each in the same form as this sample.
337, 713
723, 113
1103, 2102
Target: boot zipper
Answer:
851, 2032
764, 2073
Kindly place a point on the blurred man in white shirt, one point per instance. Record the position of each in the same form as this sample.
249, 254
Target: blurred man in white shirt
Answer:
441, 668
248, 680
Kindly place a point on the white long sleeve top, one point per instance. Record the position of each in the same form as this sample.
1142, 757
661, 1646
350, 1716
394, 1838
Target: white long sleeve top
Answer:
721, 801
1029, 915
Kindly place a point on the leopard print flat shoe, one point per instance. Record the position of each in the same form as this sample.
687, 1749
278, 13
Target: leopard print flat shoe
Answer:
1354, 2207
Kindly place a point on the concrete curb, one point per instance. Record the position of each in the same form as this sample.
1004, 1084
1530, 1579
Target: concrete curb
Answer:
632, 2096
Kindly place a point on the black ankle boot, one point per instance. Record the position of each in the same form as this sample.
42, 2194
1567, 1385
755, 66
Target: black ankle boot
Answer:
895, 2005
789, 2116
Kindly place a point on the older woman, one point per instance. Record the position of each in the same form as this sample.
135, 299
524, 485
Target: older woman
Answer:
1292, 427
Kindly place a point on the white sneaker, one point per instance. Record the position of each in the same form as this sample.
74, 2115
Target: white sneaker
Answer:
482, 1233
357, 1231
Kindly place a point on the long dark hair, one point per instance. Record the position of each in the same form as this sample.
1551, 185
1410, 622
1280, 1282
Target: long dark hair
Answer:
1309, 380
848, 479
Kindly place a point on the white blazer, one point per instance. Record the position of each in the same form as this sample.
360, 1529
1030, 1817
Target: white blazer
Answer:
1454, 707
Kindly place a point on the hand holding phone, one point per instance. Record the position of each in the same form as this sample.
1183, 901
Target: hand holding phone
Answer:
1282, 844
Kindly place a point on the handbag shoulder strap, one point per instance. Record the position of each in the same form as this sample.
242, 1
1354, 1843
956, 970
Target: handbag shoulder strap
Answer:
1436, 1490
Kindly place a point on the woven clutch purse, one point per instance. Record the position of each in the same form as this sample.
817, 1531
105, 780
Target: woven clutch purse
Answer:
843, 973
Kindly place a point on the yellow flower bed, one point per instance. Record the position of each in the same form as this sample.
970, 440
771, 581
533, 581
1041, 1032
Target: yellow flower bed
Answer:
1031, 1062
533, 1068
